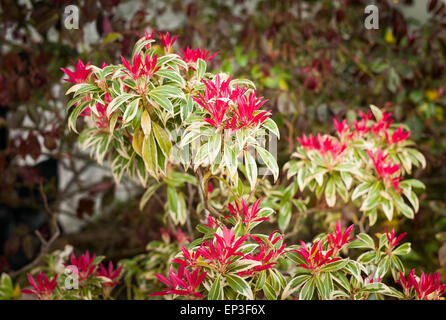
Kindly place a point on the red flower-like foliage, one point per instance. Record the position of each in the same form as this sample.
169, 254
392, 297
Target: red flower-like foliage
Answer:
84, 265
339, 238
218, 89
182, 283
217, 111
268, 254
398, 135
384, 169
190, 257
110, 274
382, 125
248, 216
212, 223
215, 100
428, 287
139, 68
323, 145
224, 248
80, 75
247, 107
167, 41
370, 279
342, 128
101, 115
180, 236
191, 56
147, 37
43, 288
315, 256
392, 240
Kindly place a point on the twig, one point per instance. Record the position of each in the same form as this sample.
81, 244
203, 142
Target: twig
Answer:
46, 245
203, 196
190, 203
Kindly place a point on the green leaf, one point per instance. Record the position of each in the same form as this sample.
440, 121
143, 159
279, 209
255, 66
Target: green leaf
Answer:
269, 161
330, 192
403, 249
354, 268
214, 146
269, 292
340, 278
294, 284
334, 266
118, 101
149, 155
393, 80
163, 102
131, 111
419, 156
360, 190
376, 112
171, 75
375, 287
272, 127
242, 265
239, 285
230, 160
285, 216
163, 139
307, 290
387, 207
382, 269
75, 114
216, 291
367, 257
172, 198
373, 198
405, 210
201, 69
82, 88
146, 123
251, 169
363, 241
261, 280
148, 194
347, 179
167, 90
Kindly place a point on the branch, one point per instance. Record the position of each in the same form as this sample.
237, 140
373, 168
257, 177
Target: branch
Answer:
203, 195
46, 245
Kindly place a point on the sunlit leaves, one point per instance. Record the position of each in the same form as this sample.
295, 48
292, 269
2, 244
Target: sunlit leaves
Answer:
118, 101
251, 169
149, 154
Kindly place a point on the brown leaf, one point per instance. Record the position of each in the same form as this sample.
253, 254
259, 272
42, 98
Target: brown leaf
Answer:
49, 141
33, 147
85, 205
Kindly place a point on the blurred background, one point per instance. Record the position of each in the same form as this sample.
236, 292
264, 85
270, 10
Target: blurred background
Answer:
313, 60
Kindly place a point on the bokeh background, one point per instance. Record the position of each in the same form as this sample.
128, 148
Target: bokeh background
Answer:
313, 60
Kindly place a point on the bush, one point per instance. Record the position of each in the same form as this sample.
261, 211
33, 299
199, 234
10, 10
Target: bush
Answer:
131, 111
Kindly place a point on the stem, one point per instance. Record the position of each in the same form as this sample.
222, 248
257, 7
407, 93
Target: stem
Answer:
46, 245
204, 196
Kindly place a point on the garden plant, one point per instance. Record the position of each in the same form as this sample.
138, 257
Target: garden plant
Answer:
245, 208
